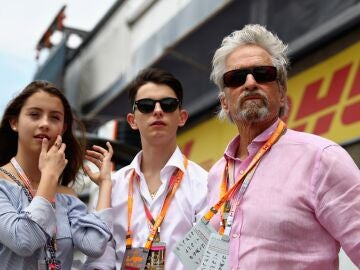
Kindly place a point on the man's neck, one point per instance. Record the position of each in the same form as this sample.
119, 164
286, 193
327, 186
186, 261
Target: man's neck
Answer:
154, 158
248, 131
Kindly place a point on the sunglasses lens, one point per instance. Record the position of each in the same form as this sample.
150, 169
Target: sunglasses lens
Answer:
169, 104
264, 74
147, 105
237, 77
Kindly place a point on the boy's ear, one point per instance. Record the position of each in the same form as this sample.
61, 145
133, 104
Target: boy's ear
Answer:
131, 120
183, 117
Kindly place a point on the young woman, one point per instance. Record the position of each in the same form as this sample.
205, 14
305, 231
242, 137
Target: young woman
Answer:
41, 219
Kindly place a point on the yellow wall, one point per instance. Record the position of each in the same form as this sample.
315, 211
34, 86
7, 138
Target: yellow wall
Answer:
334, 105
324, 99
206, 142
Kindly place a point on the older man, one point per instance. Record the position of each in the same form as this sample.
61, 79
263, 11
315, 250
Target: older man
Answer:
297, 195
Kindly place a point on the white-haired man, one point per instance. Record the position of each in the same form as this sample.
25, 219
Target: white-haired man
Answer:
300, 196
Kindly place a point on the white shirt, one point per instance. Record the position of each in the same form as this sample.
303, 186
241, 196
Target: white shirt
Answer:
186, 208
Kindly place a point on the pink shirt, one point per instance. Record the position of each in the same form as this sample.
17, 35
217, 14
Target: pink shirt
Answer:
302, 204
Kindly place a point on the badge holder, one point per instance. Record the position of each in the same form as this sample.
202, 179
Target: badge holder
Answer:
156, 258
216, 253
135, 259
190, 249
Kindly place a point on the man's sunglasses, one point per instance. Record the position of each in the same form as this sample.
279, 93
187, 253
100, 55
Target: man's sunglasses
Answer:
147, 105
261, 74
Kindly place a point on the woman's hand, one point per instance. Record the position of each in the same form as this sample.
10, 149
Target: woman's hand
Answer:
52, 162
102, 159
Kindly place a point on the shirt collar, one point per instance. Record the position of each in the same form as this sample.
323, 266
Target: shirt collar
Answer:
253, 147
176, 160
135, 163
266, 134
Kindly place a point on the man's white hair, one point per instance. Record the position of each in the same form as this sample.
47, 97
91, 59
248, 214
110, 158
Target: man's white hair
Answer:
251, 34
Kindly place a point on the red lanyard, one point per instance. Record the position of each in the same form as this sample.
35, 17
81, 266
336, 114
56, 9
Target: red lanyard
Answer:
23, 176
231, 192
174, 183
25, 179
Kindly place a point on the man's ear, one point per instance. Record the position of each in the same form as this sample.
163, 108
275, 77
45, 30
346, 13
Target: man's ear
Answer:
183, 117
283, 96
131, 120
223, 102
283, 100
13, 122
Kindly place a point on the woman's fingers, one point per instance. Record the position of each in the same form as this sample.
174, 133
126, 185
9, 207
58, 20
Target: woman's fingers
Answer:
58, 142
94, 176
53, 158
110, 149
44, 147
88, 171
99, 153
94, 157
94, 160
101, 157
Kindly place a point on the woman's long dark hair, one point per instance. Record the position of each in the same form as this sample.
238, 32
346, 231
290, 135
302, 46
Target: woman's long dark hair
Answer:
74, 151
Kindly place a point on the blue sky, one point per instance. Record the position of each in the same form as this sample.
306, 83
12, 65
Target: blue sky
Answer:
15, 72
22, 23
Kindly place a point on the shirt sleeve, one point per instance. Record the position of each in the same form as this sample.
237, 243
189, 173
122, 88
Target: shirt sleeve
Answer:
336, 184
89, 228
24, 231
105, 262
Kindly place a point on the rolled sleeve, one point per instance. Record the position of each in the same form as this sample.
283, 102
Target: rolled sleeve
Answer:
88, 228
105, 262
42, 213
106, 215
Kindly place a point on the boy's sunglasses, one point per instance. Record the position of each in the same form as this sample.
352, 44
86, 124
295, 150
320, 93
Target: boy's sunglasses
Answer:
261, 74
147, 105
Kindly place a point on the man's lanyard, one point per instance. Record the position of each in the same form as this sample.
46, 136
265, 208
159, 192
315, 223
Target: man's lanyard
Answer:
174, 183
227, 195
228, 209
228, 180
53, 263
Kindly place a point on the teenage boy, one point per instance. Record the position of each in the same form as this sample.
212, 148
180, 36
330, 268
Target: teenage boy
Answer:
159, 182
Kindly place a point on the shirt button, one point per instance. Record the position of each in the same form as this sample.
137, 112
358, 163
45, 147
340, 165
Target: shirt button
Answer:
241, 172
235, 235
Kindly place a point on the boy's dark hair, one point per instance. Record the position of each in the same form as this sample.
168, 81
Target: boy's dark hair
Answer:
156, 76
